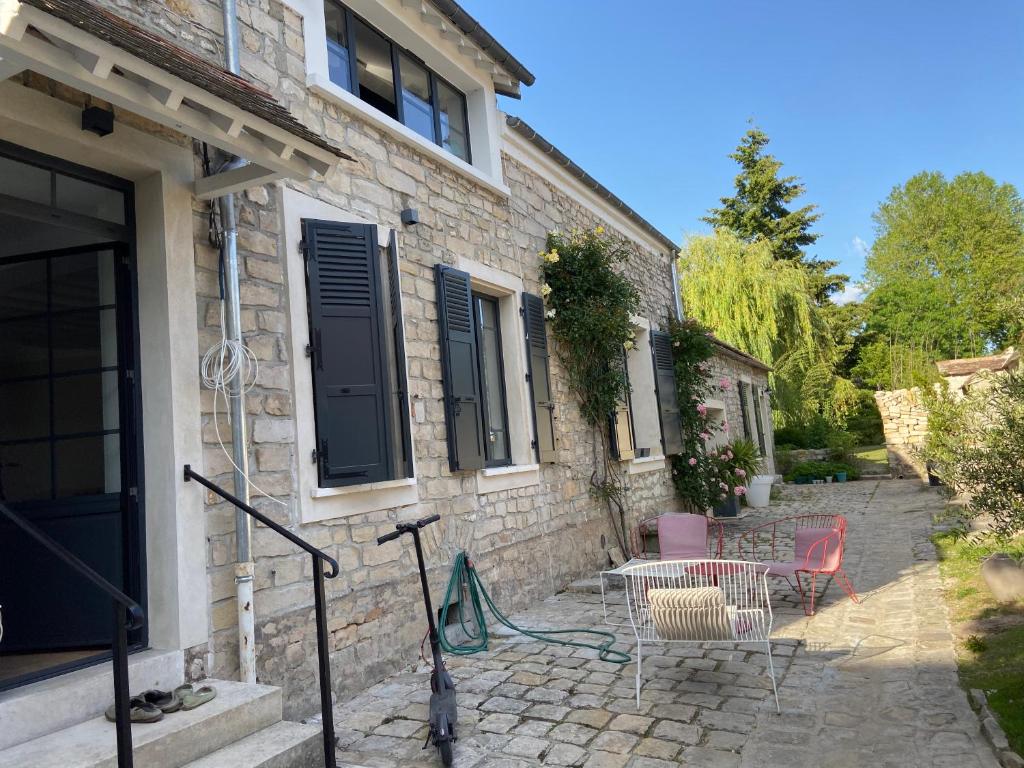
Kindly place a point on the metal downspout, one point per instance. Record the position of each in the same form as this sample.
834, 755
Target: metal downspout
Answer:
233, 321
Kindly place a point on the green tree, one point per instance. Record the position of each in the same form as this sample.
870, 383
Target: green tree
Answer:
947, 255
760, 209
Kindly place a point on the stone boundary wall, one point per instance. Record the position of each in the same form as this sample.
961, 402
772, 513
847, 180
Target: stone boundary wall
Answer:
905, 424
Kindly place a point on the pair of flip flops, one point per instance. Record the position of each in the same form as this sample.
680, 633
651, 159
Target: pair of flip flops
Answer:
150, 706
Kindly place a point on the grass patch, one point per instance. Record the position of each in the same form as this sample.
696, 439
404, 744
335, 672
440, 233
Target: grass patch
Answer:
991, 657
871, 459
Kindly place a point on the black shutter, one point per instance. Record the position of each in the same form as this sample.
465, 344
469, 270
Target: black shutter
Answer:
401, 380
757, 418
665, 384
462, 401
741, 388
539, 373
350, 373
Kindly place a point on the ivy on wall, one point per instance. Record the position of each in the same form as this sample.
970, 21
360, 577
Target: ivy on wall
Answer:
589, 304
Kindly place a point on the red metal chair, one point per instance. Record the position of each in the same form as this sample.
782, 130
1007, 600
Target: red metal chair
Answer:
818, 542
681, 536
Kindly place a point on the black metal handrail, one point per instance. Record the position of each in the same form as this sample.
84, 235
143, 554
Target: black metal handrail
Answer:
128, 615
322, 649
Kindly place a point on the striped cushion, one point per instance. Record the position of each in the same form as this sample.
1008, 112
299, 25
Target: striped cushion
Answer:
697, 613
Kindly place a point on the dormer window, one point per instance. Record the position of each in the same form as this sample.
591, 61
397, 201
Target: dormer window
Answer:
369, 65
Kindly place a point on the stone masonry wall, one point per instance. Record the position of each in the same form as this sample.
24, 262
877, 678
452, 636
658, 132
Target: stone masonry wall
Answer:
905, 424
728, 368
527, 543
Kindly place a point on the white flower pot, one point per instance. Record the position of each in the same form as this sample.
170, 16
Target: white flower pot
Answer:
759, 491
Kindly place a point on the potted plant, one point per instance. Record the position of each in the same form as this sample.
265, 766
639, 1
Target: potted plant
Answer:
735, 466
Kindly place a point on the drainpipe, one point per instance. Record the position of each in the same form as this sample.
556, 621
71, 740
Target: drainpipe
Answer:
675, 288
236, 401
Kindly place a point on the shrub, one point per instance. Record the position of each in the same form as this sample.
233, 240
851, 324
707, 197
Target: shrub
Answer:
819, 470
976, 445
840, 445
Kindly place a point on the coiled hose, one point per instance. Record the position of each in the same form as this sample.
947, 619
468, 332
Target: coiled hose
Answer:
465, 577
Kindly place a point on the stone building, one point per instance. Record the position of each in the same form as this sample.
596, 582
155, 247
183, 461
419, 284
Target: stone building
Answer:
380, 174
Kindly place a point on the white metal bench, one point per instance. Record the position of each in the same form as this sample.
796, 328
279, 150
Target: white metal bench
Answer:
703, 602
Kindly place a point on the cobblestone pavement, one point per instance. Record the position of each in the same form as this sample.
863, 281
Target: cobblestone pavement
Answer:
860, 685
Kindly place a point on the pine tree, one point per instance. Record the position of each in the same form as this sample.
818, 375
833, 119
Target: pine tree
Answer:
759, 207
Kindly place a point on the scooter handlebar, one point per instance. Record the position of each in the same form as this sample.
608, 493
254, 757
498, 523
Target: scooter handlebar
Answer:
388, 537
405, 528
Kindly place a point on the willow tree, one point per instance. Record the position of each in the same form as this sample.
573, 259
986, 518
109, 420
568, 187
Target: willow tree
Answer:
764, 306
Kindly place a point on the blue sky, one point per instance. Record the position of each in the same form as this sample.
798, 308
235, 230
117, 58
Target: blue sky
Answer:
650, 96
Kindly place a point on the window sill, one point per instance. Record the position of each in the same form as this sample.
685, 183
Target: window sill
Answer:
507, 478
647, 464
334, 503
326, 89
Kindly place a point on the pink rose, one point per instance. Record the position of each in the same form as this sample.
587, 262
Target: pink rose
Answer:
714, 454
692, 462
723, 486
740, 472
705, 436
723, 383
702, 409
739, 490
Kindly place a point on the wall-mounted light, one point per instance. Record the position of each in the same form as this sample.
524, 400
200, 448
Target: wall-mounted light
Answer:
98, 120
410, 216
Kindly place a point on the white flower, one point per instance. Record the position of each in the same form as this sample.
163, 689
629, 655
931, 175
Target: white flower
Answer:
629, 345
549, 314
545, 290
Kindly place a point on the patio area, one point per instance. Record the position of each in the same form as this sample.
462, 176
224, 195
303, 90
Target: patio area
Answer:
872, 684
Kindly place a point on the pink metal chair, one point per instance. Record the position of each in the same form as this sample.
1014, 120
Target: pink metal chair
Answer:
680, 537
818, 542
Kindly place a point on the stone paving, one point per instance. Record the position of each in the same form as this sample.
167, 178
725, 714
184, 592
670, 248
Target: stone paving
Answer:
872, 684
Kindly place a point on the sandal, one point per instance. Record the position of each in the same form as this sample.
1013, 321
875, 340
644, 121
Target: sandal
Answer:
165, 701
194, 697
140, 711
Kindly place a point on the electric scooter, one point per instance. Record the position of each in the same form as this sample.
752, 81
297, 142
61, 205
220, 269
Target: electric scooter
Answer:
443, 713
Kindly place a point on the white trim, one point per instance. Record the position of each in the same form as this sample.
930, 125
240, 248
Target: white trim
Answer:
519, 149
508, 288
495, 479
176, 565
316, 503
73, 57
643, 397
410, 30
324, 88
647, 464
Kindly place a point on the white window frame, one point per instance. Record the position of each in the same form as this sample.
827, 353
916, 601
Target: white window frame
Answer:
644, 400
404, 27
316, 503
524, 471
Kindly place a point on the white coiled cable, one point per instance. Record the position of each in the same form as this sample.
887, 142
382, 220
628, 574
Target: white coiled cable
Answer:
222, 362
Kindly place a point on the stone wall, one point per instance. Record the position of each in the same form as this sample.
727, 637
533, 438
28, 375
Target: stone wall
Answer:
527, 543
905, 424
729, 368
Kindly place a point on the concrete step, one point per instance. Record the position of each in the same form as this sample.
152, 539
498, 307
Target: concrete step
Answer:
35, 710
282, 745
179, 738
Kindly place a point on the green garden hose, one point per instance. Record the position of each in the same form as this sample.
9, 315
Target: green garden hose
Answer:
465, 575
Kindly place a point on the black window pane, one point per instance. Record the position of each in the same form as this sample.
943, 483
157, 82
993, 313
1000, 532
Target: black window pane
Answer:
337, 45
22, 286
88, 466
25, 410
83, 280
374, 70
86, 403
418, 113
90, 199
25, 345
494, 389
454, 134
25, 472
84, 340
25, 181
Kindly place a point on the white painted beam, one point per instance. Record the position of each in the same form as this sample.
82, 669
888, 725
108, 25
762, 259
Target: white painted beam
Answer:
235, 180
9, 69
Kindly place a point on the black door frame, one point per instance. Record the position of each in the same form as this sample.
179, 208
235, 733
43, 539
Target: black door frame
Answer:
121, 240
